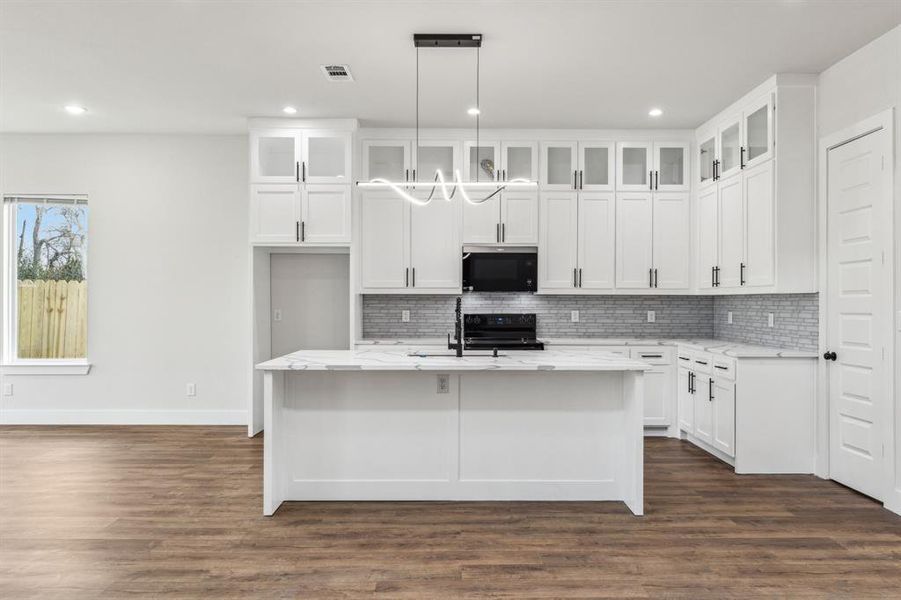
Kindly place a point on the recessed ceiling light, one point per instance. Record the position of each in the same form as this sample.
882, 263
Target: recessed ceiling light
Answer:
74, 109
473, 111
289, 110
655, 112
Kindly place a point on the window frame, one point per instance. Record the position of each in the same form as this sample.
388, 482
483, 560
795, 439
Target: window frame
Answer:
10, 363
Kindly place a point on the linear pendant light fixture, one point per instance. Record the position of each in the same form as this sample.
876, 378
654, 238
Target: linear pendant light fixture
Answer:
487, 189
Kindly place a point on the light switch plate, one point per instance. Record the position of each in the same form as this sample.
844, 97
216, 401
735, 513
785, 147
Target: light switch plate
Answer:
574, 316
771, 320
405, 316
652, 316
729, 317
7, 389
191, 390
277, 314
443, 384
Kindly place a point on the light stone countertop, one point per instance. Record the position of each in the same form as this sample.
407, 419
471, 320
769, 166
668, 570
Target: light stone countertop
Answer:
723, 347
400, 359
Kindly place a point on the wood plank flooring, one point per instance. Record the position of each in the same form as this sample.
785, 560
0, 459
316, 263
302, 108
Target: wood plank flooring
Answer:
175, 512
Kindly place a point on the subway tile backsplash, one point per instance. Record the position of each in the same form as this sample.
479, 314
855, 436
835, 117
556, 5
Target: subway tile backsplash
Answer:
609, 316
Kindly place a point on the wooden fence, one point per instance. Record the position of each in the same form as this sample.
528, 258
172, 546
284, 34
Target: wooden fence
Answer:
53, 319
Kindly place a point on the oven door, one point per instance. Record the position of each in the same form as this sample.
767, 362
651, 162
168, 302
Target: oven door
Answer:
500, 269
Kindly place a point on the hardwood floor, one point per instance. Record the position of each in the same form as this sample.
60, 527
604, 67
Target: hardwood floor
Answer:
116, 512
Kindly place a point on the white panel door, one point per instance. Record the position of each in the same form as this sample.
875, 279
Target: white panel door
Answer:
732, 229
671, 172
519, 217
384, 241
634, 241
325, 214
858, 320
724, 416
634, 166
436, 256
558, 241
482, 163
703, 404
708, 240
597, 171
275, 156
275, 214
326, 157
386, 159
657, 387
672, 241
559, 165
757, 129
519, 160
685, 401
597, 240
481, 222
760, 224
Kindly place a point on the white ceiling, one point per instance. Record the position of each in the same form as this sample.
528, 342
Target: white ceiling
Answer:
205, 66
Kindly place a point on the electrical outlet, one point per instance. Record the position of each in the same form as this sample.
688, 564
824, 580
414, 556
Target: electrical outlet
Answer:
277, 314
574, 316
7, 389
652, 316
771, 320
729, 317
405, 316
191, 390
443, 384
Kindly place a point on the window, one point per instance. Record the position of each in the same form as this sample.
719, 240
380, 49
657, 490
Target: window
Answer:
45, 280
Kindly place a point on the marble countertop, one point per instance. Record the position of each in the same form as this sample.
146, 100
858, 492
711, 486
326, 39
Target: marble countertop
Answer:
400, 359
724, 347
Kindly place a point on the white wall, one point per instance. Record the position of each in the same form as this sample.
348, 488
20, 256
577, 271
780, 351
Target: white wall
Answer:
169, 288
859, 86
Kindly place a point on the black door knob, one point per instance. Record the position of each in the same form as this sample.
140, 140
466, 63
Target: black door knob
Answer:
830, 356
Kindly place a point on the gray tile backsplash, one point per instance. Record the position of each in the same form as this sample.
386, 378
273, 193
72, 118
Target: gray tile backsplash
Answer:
610, 316
796, 320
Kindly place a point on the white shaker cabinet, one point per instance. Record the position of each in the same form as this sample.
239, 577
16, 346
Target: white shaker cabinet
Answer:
757, 129
723, 397
325, 214
672, 241
435, 247
289, 214
657, 166
653, 241
634, 166
300, 156
559, 166
519, 160
387, 159
708, 236
596, 166
759, 226
482, 162
384, 241
731, 233
435, 155
658, 385
481, 222
275, 214
510, 217
596, 241
558, 241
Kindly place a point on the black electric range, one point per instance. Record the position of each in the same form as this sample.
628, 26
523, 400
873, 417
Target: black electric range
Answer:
504, 331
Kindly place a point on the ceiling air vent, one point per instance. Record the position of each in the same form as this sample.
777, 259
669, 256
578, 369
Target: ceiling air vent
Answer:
337, 72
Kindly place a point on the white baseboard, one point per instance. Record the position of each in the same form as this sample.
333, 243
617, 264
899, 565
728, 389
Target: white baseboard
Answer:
893, 502
123, 417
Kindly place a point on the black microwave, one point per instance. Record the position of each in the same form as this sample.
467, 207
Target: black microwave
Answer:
500, 269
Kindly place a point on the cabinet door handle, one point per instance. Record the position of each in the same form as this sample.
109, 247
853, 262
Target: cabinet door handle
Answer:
575, 277
297, 171
407, 175
717, 280
413, 279
575, 179
741, 157
691, 382
651, 180
581, 179
580, 276
710, 389
721, 367
655, 278
505, 174
297, 231
741, 275
651, 277
712, 276
303, 231
643, 355
656, 180
303, 170
407, 277
497, 232
503, 232
414, 175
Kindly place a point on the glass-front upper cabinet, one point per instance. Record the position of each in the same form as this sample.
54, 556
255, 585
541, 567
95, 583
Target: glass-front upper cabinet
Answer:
275, 156
758, 130
519, 160
706, 158
326, 157
729, 148
634, 166
482, 162
386, 159
432, 156
671, 172
596, 171
559, 165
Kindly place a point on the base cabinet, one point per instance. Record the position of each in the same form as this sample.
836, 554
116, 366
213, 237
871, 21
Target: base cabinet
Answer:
723, 395
658, 385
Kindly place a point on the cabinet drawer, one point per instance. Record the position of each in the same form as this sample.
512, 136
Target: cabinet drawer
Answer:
702, 362
724, 367
653, 355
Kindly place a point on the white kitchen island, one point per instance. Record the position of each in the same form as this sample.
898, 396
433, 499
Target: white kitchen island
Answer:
380, 424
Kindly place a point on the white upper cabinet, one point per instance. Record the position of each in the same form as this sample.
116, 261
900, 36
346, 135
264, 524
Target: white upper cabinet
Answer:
634, 241
558, 244
325, 214
729, 148
432, 156
708, 240
559, 165
672, 241
597, 241
435, 248
706, 158
326, 157
386, 159
757, 124
759, 222
671, 172
519, 217
275, 156
634, 166
731, 233
519, 160
384, 241
482, 162
596, 166
275, 214
481, 222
